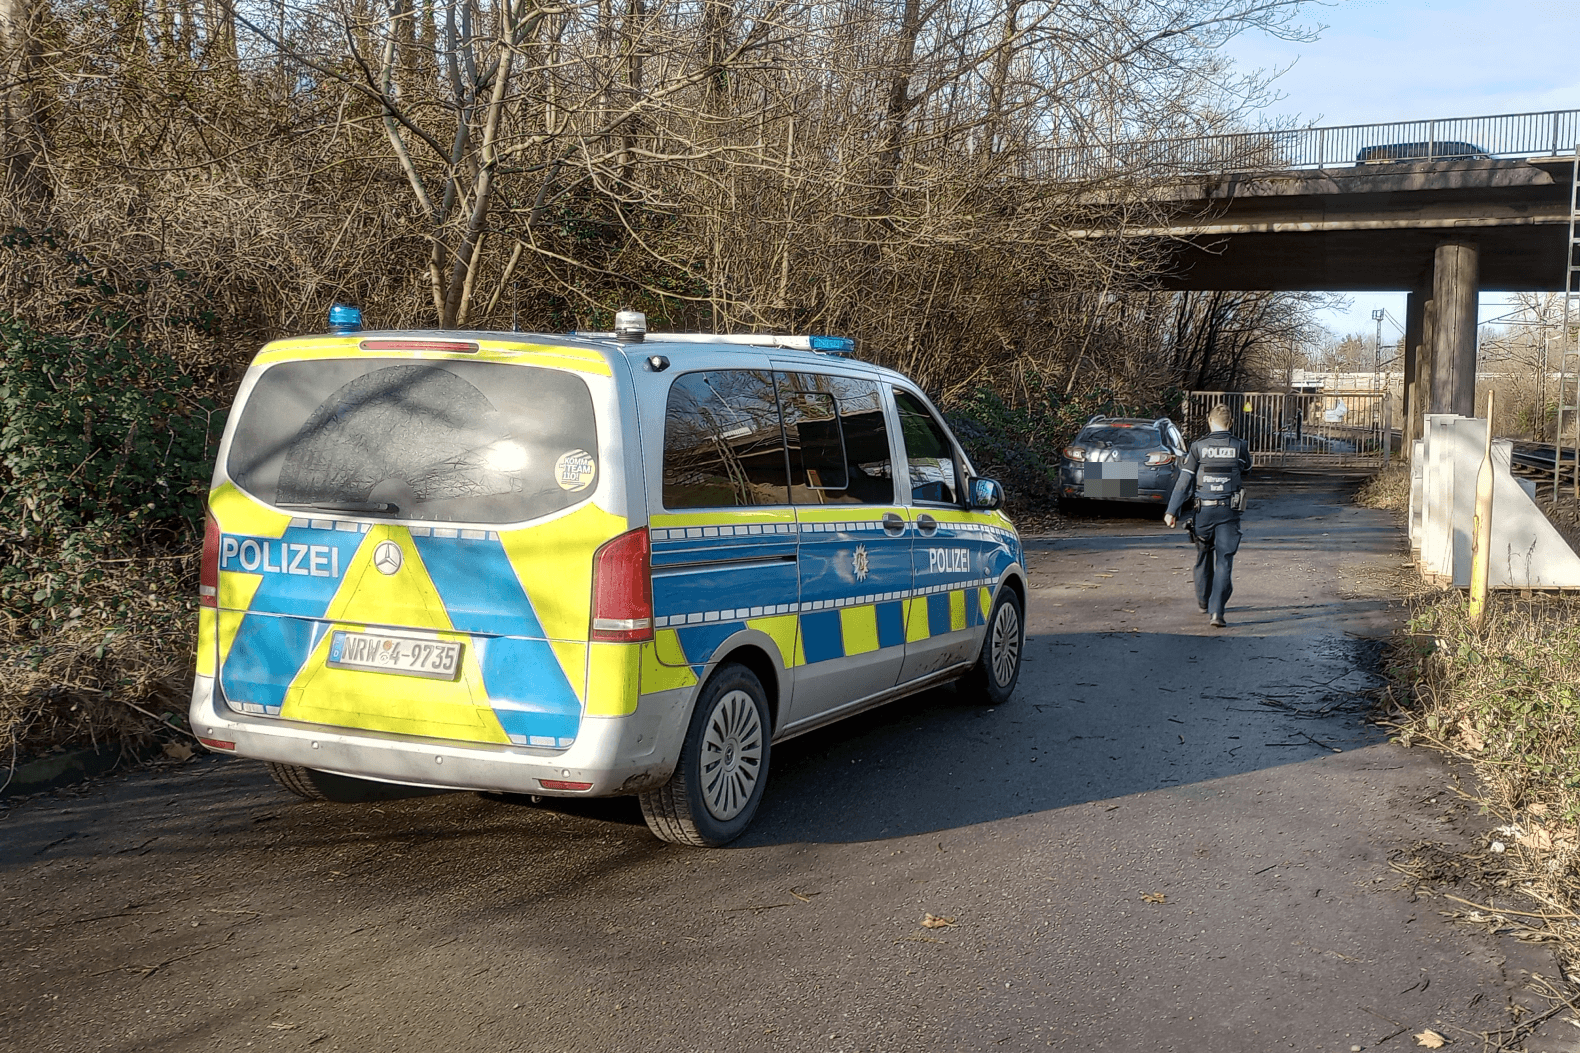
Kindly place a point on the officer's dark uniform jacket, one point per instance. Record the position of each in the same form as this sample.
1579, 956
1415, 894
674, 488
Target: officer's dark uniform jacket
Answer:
1213, 473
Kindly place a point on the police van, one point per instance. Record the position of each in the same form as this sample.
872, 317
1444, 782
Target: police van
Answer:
586, 565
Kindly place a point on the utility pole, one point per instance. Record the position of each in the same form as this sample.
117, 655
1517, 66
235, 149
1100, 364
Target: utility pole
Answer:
1377, 316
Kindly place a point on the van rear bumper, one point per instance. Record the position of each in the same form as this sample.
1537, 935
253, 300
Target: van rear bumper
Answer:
616, 755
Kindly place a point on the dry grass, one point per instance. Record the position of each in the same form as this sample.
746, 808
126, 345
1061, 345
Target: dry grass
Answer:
1506, 698
1389, 489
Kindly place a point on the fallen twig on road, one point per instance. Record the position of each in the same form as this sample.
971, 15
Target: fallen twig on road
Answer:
1503, 910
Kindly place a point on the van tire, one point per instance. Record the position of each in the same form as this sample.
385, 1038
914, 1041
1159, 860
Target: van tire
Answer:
296, 779
313, 785
730, 726
992, 680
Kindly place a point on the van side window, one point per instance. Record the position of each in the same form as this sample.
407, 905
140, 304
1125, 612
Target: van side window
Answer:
722, 441
838, 440
813, 438
934, 470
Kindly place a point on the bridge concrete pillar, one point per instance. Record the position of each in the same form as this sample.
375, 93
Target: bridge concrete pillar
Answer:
1455, 291
1410, 413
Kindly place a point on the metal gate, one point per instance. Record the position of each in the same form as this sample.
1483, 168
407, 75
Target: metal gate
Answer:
1297, 429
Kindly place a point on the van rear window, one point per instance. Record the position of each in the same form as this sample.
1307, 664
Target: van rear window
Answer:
460, 442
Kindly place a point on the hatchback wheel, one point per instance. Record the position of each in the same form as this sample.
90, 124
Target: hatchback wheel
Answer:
716, 787
998, 666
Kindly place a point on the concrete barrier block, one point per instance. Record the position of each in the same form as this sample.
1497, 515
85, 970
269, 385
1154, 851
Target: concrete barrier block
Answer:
1527, 552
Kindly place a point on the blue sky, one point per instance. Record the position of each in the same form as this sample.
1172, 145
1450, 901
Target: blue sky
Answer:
1393, 60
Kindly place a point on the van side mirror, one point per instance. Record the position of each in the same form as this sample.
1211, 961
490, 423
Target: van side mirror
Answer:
986, 494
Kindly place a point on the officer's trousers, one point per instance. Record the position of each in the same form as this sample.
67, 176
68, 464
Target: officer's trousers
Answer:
1217, 540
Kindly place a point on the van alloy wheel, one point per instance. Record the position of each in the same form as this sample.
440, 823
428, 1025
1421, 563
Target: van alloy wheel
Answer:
732, 755
1004, 645
718, 782
993, 678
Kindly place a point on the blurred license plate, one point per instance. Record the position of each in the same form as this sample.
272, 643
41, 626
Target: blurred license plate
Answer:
437, 659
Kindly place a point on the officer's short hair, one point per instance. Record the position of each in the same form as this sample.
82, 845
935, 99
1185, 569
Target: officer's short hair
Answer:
1220, 417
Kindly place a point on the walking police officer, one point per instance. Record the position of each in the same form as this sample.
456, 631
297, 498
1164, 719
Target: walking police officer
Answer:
1213, 473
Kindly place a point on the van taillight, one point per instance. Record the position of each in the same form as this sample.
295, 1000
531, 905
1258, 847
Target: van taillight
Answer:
622, 599
208, 569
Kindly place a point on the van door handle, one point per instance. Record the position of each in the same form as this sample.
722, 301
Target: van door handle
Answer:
926, 525
893, 525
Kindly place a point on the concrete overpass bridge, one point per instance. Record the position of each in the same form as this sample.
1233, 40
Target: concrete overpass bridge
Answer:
1440, 210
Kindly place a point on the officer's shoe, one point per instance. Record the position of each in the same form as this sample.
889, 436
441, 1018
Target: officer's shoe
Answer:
1217, 622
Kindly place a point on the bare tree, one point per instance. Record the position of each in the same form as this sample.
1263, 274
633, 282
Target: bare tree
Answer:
853, 167
21, 126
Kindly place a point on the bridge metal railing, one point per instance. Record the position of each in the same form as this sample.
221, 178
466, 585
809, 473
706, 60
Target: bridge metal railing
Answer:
1302, 429
1551, 133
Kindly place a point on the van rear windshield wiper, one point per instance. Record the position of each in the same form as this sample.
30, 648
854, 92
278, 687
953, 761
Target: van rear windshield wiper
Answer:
385, 508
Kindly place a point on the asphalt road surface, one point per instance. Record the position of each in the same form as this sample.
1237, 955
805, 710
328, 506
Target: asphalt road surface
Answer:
1171, 838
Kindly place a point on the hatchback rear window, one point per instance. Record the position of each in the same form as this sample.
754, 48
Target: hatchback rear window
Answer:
1123, 438
463, 442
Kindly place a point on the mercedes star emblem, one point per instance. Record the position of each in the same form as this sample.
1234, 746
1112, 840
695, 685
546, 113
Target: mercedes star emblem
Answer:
387, 557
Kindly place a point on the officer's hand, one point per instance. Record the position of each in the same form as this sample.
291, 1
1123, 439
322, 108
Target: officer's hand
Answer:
1169, 520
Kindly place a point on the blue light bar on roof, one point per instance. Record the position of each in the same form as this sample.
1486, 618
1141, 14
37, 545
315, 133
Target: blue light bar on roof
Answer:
832, 345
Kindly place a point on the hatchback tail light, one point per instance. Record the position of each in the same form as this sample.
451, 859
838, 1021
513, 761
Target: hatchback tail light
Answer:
1075, 453
1160, 458
622, 600
208, 566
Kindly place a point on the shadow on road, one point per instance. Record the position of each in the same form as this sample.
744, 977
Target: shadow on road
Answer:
1097, 716
1124, 690
1104, 719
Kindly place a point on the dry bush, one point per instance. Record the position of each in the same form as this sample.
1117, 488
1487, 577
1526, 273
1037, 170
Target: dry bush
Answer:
117, 674
1505, 697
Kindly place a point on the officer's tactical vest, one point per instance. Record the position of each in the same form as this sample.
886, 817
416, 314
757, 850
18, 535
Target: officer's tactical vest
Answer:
1220, 460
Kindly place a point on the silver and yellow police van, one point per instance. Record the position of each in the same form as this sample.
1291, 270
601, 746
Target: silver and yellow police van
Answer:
586, 565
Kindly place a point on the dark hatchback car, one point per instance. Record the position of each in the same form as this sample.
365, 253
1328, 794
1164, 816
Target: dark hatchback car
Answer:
1121, 459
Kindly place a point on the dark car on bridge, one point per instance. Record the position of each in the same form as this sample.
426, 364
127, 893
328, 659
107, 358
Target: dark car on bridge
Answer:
1121, 459
1448, 150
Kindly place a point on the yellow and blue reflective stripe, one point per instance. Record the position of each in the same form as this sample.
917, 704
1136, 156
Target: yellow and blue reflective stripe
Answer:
526, 687
269, 649
455, 580
832, 629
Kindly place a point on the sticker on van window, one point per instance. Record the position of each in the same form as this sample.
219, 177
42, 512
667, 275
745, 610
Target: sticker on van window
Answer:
574, 471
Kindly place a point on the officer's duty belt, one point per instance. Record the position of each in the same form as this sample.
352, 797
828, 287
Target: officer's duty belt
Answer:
1224, 501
